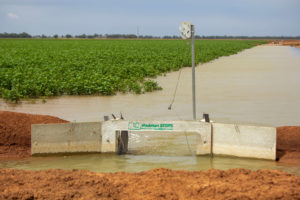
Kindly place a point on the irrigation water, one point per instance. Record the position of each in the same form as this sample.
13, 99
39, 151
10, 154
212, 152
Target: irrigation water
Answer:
136, 163
257, 86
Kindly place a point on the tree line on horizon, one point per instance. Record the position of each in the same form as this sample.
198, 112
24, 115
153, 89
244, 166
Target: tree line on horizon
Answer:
133, 36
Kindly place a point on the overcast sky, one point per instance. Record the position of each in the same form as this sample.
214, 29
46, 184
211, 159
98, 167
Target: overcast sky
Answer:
153, 17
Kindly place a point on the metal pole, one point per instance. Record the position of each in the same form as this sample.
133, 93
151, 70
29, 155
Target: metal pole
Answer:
193, 74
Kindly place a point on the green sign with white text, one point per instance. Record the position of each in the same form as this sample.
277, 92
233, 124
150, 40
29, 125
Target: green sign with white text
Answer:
150, 126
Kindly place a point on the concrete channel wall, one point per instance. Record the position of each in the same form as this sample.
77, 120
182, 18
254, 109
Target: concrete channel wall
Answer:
66, 138
216, 138
244, 141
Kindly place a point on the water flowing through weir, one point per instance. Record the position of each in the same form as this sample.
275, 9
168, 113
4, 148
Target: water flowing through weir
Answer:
257, 86
165, 144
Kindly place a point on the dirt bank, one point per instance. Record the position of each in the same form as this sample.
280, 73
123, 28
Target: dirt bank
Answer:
295, 43
153, 184
288, 144
15, 129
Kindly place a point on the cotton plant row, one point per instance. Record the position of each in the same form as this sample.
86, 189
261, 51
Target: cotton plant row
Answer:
34, 68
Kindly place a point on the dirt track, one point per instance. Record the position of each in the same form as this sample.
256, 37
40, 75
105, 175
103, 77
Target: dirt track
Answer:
153, 184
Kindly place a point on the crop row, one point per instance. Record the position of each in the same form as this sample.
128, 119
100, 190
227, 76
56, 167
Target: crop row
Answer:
32, 68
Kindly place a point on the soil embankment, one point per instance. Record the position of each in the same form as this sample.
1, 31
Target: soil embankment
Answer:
288, 144
295, 43
15, 132
153, 184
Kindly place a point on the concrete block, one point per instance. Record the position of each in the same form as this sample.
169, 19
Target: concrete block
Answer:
65, 138
244, 141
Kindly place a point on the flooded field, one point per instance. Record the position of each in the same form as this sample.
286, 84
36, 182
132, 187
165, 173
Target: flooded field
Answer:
257, 86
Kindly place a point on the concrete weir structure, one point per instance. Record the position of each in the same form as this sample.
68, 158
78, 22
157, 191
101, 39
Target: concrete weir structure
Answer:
104, 137
244, 141
66, 138
202, 129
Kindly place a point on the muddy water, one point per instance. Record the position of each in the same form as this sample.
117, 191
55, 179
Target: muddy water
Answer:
148, 150
258, 86
136, 163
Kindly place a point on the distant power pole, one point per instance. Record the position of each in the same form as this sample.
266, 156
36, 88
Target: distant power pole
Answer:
137, 31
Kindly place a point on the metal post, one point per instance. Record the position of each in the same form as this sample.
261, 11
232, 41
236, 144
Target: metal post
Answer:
193, 74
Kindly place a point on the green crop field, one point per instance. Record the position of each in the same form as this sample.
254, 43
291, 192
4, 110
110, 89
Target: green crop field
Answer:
32, 68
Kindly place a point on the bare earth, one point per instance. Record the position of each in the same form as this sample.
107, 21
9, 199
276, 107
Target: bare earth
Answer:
15, 133
288, 144
153, 184
293, 43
